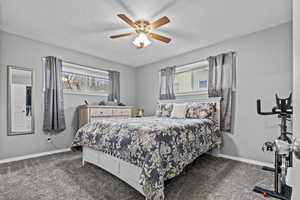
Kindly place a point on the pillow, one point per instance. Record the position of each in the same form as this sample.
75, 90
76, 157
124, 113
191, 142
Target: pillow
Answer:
164, 110
201, 110
179, 111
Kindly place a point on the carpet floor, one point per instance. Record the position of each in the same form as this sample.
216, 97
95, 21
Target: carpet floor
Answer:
62, 177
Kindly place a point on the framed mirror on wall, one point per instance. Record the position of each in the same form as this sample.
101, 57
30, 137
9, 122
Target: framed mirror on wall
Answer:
20, 105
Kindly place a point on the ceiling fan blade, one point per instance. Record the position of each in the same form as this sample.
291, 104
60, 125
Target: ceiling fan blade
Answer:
127, 20
121, 35
159, 37
160, 22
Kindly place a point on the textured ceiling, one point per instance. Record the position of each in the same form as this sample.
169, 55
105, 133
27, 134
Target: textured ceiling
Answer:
85, 25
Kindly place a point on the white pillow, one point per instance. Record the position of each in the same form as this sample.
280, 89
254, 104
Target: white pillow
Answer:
179, 111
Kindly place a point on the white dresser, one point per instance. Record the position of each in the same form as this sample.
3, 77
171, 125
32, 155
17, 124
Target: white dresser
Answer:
89, 113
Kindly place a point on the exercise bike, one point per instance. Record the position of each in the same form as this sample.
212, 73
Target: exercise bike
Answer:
284, 146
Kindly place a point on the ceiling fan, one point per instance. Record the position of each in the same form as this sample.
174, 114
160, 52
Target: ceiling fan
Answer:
142, 30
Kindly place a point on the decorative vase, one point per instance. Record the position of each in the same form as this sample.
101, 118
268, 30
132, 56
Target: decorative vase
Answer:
140, 112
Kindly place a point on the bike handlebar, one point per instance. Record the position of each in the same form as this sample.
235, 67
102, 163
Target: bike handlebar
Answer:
258, 103
275, 110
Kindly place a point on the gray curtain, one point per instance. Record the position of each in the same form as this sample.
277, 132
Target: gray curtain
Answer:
54, 117
167, 78
114, 88
222, 83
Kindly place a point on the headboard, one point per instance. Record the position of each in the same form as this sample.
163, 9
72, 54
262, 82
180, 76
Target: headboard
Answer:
216, 100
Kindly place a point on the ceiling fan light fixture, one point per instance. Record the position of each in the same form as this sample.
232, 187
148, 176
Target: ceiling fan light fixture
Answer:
143, 31
141, 40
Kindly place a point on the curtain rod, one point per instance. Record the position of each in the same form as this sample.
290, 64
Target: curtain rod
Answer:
72, 63
201, 60
190, 63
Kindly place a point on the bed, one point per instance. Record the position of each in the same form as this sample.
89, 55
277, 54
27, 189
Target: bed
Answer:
144, 152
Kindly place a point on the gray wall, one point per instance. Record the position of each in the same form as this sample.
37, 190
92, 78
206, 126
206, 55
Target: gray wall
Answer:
264, 67
15, 50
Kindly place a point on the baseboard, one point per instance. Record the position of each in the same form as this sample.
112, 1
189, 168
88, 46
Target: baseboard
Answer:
244, 160
33, 155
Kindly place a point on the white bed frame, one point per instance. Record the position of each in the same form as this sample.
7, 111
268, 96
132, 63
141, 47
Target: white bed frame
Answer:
125, 171
121, 169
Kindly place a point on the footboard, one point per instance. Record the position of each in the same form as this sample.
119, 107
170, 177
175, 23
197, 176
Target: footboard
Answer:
125, 171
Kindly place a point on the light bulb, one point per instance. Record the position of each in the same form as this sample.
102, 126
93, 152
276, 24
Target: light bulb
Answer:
141, 40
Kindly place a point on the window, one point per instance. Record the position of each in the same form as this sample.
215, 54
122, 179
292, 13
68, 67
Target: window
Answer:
192, 78
84, 80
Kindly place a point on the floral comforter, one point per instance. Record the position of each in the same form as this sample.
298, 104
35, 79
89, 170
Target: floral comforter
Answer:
161, 146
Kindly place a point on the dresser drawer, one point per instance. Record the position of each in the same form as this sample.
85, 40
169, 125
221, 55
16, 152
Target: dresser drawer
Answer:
91, 155
130, 171
122, 112
109, 163
98, 112
89, 114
